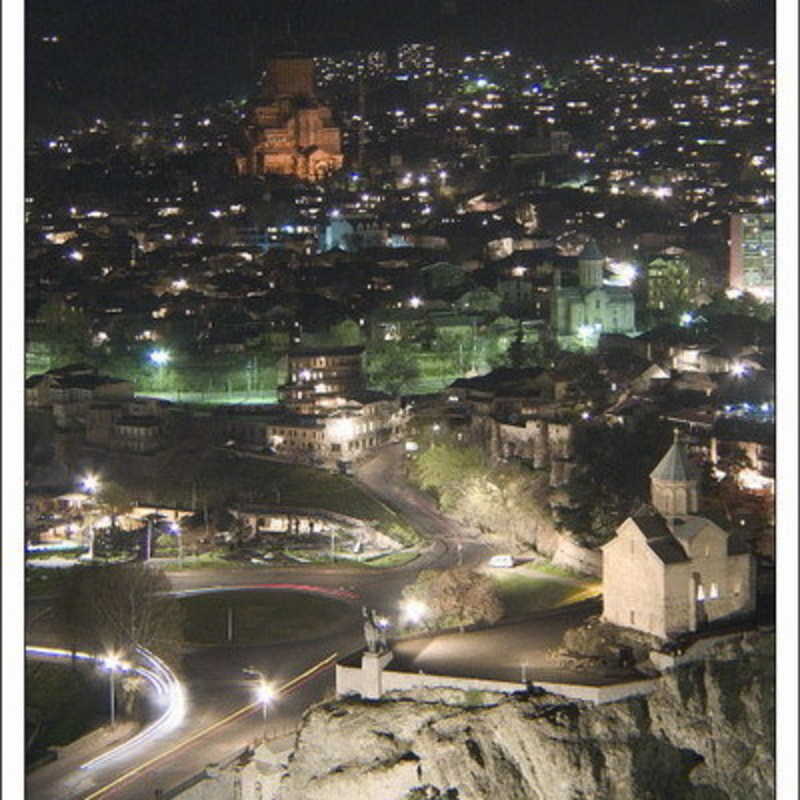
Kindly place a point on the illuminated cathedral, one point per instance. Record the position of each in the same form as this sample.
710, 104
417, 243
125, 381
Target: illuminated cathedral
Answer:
287, 131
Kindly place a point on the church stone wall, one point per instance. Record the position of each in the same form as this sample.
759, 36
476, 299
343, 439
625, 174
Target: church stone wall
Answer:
633, 583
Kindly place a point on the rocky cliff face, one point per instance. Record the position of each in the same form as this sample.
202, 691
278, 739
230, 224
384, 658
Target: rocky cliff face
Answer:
706, 733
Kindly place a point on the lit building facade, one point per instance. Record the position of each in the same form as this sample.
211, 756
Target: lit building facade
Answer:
752, 254
319, 378
669, 571
288, 131
579, 314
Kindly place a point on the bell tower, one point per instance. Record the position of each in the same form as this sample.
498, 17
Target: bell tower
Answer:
590, 266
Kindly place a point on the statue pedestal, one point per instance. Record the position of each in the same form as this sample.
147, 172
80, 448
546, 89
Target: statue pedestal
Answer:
372, 666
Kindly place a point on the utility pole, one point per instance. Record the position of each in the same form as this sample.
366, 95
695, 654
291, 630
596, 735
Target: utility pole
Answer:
149, 539
361, 121
112, 698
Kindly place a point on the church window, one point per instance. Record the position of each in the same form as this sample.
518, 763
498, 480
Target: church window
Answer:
701, 594
737, 588
714, 592
708, 551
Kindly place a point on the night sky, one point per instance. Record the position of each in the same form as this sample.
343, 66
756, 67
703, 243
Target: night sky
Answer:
154, 54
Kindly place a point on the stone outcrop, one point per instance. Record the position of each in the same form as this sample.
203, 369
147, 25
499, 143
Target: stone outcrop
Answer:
706, 733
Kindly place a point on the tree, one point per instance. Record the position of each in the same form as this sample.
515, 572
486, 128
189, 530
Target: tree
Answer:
586, 381
345, 333
744, 306
445, 467
119, 607
115, 500
509, 501
457, 350
392, 367
610, 477
65, 331
457, 596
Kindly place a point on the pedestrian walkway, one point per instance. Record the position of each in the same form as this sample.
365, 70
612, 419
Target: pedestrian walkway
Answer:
517, 651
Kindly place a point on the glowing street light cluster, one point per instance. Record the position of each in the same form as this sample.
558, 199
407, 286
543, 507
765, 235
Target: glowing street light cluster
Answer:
265, 692
414, 611
160, 357
90, 483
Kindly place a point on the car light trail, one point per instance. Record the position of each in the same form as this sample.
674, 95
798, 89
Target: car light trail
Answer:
168, 690
342, 594
287, 688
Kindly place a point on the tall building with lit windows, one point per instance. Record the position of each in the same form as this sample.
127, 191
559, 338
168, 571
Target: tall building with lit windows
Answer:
318, 378
752, 254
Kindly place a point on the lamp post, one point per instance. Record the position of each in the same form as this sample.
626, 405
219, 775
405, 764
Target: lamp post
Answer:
91, 485
149, 539
519, 273
112, 664
160, 358
264, 692
176, 529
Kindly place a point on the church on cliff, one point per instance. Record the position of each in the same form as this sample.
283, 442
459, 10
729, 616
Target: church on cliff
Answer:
669, 571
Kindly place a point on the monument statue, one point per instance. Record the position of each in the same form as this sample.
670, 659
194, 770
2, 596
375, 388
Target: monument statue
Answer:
375, 637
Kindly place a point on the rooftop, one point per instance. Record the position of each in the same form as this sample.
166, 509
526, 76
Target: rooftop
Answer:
675, 466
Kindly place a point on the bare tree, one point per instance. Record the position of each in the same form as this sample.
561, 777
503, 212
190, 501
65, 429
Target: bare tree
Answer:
119, 607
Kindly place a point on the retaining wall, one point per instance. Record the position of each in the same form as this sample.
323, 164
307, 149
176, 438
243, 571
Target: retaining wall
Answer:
581, 559
353, 680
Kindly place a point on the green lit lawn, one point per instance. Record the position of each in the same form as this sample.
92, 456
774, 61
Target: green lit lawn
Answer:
262, 617
391, 560
218, 476
522, 591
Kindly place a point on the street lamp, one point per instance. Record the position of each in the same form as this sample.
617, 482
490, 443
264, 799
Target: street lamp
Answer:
265, 692
90, 483
175, 528
414, 611
112, 663
160, 358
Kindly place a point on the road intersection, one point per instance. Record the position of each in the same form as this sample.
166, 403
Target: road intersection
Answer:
222, 718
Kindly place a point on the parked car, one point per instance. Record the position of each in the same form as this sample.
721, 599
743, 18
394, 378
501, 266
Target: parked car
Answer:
501, 561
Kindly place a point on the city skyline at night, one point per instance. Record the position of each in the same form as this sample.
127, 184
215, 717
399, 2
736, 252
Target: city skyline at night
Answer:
400, 399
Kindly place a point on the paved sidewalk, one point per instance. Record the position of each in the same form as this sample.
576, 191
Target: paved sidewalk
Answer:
72, 756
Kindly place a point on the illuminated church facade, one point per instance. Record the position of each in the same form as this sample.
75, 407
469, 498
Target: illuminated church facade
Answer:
287, 131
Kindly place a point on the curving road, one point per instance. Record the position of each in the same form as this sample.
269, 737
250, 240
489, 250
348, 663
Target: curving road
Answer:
217, 688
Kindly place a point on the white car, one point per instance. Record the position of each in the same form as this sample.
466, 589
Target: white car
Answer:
501, 561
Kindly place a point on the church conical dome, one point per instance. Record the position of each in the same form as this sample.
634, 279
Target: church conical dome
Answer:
591, 252
674, 483
675, 466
